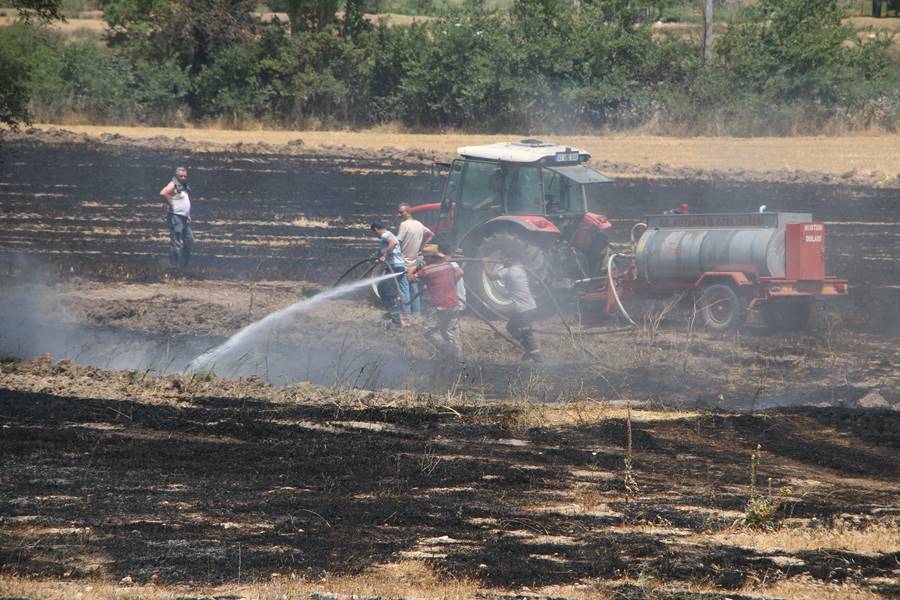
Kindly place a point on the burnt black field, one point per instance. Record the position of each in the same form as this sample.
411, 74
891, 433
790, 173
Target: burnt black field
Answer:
91, 211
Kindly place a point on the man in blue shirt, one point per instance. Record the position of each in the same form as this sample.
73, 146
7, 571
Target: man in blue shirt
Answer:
389, 254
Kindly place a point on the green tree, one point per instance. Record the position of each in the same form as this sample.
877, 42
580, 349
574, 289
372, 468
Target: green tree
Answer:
310, 15
184, 33
14, 90
45, 10
798, 49
189, 30
15, 75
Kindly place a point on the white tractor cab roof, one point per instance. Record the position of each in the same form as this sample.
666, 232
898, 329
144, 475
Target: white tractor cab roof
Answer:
526, 151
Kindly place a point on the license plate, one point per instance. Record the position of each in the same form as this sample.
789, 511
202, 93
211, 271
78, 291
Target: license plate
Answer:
566, 157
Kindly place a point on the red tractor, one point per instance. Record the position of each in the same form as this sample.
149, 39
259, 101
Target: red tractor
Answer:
529, 197
532, 198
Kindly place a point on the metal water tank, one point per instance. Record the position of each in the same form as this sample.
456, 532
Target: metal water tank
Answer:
679, 247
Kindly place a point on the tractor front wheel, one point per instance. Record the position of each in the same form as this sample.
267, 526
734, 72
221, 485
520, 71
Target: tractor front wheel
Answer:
491, 294
721, 308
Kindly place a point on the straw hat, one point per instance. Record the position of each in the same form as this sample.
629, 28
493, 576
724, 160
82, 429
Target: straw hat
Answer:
431, 250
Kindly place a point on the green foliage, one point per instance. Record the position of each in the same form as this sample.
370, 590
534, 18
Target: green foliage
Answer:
98, 83
35, 55
14, 82
190, 30
793, 56
44, 10
530, 65
310, 15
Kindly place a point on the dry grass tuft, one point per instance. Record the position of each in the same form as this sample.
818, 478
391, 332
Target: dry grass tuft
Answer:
805, 588
405, 579
876, 539
304, 221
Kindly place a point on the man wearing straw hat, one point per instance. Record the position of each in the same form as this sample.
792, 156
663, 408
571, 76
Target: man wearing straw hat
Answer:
441, 277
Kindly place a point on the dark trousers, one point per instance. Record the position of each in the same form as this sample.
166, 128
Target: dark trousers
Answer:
181, 240
519, 327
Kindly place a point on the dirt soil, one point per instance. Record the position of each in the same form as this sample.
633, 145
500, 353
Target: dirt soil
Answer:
665, 362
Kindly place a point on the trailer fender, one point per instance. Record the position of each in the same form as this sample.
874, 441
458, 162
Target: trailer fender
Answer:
737, 278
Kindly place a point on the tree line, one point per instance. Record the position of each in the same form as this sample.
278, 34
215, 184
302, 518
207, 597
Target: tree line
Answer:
780, 67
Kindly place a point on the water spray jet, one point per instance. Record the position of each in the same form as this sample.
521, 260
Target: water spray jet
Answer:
249, 334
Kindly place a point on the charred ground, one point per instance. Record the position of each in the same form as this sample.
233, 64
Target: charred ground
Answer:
495, 479
180, 481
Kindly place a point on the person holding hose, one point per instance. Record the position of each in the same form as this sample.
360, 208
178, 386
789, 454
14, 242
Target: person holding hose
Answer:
442, 276
515, 279
394, 289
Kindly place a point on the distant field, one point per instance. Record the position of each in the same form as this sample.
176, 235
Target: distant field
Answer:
91, 22
846, 155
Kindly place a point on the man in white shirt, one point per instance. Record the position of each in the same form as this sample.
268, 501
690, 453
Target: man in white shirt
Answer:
515, 279
413, 236
176, 198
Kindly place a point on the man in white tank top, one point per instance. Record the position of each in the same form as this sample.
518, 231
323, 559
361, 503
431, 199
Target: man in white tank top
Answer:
176, 197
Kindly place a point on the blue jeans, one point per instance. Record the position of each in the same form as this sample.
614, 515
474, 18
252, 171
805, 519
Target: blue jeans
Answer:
181, 240
403, 283
414, 307
387, 289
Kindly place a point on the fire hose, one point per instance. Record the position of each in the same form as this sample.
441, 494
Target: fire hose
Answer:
353, 268
481, 317
612, 289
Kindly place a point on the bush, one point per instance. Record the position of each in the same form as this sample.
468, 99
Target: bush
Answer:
98, 83
14, 82
32, 74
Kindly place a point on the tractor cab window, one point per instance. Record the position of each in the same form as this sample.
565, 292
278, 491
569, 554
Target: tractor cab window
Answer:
562, 194
573, 189
481, 185
477, 193
523, 191
454, 185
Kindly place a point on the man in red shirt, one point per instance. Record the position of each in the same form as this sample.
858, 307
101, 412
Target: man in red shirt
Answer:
440, 275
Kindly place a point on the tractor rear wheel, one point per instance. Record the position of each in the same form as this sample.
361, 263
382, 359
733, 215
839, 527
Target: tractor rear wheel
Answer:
721, 308
787, 314
491, 294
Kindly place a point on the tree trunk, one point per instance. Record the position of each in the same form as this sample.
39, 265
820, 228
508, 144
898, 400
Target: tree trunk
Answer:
708, 10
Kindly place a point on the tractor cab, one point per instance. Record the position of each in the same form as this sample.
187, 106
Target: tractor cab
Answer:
530, 199
517, 179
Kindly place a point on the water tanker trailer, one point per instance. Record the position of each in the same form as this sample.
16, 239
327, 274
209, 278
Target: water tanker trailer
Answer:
534, 199
728, 264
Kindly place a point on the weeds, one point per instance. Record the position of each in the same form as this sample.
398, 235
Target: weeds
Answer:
529, 408
762, 510
631, 486
429, 460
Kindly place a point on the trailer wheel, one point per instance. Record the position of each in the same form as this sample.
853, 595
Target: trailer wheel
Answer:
722, 308
491, 294
787, 314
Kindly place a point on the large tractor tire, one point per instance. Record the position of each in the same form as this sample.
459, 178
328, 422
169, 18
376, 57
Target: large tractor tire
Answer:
787, 315
490, 294
722, 308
